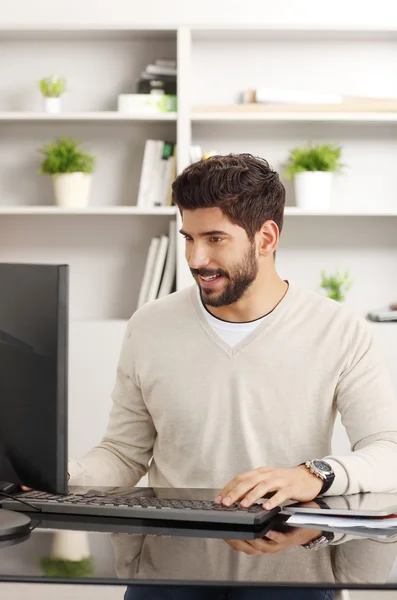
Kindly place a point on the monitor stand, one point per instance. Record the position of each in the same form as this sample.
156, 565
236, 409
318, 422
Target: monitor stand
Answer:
13, 525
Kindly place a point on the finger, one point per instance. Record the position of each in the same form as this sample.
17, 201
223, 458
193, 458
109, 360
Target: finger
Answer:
240, 491
234, 482
278, 498
246, 547
262, 489
264, 546
276, 536
25, 489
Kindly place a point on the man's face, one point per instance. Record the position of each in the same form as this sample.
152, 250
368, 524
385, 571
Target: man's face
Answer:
220, 255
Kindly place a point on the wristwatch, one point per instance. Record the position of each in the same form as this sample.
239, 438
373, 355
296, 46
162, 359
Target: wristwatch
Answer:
323, 470
322, 540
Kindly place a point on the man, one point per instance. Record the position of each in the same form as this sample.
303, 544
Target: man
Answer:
236, 381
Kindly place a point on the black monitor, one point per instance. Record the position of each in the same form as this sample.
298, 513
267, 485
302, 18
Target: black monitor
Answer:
33, 375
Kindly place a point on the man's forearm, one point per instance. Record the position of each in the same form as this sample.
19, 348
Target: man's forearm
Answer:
370, 468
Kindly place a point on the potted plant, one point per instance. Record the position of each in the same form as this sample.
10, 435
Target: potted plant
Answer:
70, 555
312, 168
336, 286
52, 88
71, 171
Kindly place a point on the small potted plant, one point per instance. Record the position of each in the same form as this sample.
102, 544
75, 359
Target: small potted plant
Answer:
311, 168
69, 557
335, 286
52, 88
71, 171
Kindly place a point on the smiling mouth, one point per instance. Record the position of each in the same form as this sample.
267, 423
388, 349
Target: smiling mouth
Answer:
209, 281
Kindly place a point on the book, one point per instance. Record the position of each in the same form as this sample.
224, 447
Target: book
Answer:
289, 96
148, 272
147, 172
195, 153
160, 70
165, 62
158, 268
157, 173
168, 278
384, 316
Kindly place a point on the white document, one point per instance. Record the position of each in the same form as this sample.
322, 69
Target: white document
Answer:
370, 523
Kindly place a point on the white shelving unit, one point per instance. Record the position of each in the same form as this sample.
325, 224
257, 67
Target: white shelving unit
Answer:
105, 249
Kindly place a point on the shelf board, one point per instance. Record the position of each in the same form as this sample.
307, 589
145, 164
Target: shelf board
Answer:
300, 31
89, 211
293, 211
290, 211
86, 116
295, 116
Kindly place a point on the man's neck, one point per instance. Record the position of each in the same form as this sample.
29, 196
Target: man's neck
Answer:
259, 300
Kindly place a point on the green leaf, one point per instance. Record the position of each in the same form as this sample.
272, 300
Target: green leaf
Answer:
52, 87
323, 157
65, 156
336, 286
54, 567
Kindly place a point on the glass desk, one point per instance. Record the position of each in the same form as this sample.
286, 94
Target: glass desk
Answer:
97, 550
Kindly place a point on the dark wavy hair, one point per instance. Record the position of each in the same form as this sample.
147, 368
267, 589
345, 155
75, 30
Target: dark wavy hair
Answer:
246, 189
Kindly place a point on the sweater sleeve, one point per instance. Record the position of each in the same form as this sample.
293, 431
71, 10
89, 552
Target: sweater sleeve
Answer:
123, 455
368, 405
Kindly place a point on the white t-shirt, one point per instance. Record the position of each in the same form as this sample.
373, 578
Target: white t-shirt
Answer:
231, 333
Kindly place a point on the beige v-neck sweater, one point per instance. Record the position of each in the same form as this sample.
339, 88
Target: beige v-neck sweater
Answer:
195, 412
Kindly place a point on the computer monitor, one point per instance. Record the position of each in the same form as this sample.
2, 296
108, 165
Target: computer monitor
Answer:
33, 375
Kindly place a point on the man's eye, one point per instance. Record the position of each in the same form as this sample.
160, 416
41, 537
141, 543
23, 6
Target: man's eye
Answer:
215, 239
187, 238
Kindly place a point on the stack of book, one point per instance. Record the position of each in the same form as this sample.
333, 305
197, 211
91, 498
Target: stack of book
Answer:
155, 90
159, 77
157, 174
160, 267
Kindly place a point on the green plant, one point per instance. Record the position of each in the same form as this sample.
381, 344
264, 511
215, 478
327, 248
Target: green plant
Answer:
65, 156
323, 157
52, 87
55, 567
336, 285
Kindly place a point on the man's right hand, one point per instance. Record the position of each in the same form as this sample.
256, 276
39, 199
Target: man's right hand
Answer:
28, 489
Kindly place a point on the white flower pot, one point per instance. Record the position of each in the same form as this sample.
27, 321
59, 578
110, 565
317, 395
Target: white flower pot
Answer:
72, 190
52, 105
313, 190
70, 545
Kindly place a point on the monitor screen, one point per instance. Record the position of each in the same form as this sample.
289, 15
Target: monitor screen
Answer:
33, 375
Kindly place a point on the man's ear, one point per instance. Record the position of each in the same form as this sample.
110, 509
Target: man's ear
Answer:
268, 237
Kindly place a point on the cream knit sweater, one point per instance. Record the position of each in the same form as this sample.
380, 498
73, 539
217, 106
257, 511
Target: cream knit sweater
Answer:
195, 412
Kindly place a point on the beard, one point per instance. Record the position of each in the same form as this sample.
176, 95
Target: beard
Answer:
238, 280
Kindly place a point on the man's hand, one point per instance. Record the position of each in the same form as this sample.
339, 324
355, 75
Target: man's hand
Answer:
28, 489
288, 484
275, 541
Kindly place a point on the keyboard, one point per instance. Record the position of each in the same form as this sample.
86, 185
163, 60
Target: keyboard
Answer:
141, 507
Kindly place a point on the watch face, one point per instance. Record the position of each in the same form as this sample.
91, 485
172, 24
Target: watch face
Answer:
322, 466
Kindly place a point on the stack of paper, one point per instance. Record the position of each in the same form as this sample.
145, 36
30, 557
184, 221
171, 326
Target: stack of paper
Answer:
379, 527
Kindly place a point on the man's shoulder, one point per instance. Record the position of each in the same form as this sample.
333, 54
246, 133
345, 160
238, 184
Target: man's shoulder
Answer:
165, 311
331, 313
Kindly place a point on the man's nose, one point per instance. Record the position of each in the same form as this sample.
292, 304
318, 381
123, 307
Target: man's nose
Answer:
197, 258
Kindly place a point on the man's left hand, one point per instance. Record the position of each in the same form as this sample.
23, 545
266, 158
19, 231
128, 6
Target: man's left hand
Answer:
274, 541
297, 484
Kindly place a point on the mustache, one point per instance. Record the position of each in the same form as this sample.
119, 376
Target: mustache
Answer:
209, 272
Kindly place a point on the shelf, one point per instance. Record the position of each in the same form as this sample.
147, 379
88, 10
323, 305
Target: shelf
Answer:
267, 116
304, 32
89, 211
293, 211
87, 116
